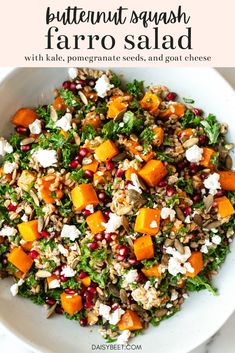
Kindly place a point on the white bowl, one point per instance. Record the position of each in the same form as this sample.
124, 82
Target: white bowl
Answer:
202, 314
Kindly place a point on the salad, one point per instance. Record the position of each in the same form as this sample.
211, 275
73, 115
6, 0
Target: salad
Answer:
116, 201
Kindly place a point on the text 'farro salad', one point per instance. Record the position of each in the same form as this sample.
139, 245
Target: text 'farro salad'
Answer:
115, 202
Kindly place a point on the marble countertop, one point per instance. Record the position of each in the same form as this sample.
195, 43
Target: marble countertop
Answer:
222, 341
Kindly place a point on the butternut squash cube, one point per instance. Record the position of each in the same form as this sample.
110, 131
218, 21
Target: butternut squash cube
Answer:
150, 102
24, 117
196, 261
50, 281
153, 172
227, 180
130, 321
147, 221
152, 271
86, 281
29, 230
95, 222
84, 195
20, 260
143, 247
206, 157
225, 207
93, 166
115, 107
133, 148
71, 303
26, 180
107, 150
159, 136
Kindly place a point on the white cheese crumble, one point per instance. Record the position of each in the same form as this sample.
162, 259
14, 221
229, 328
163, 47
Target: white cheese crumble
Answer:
204, 247
174, 295
67, 271
9, 167
8, 231
153, 224
24, 218
63, 250
216, 239
178, 262
167, 212
90, 208
54, 284
212, 183
35, 127
130, 276
103, 86
136, 183
124, 337
46, 158
15, 287
65, 122
113, 223
70, 231
194, 154
114, 317
5, 147
187, 219
73, 72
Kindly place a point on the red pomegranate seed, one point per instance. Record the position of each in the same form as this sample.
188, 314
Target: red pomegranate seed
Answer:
33, 254
119, 173
162, 183
63, 278
132, 261
115, 306
83, 322
108, 237
57, 271
88, 305
50, 301
197, 111
44, 234
187, 211
11, 207
22, 129
171, 96
93, 245
193, 168
93, 284
203, 139
88, 174
102, 196
109, 165
140, 277
83, 152
86, 213
219, 193
91, 82
215, 204
69, 291
170, 191
181, 165
99, 237
66, 84
25, 148
203, 176
123, 250
91, 290
73, 87
78, 158
120, 257
59, 310
74, 164
82, 274
197, 197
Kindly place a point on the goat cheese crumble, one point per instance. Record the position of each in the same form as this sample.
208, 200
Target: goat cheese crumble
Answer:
73, 72
216, 239
46, 158
124, 337
112, 317
5, 147
167, 212
70, 231
212, 183
65, 122
136, 183
8, 231
67, 271
113, 223
9, 167
35, 127
103, 86
194, 154
130, 277
14, 289
178, 262
54, 284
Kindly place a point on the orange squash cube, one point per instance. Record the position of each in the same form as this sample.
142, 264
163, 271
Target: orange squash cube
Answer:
27, 246
29, 230
86, 281
130, 321
147, 221
71, 303
24, 117
59, 104
225, 207
150, 102
206, 157
26, 180
133, 148
93, 166
152, 271
143, 247
153, 172
84, 195
51, 279
159, 136
107, 150
227, 180
115, 107
196, 261
20, 260
176, 108
130, 171
45, 191
185, 134
95, 222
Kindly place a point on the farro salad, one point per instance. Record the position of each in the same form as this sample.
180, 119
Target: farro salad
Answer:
116, 201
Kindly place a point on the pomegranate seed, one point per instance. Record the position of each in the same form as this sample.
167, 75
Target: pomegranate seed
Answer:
128, 182
203, 176
89, 296
86, 213
83, 322
99, 237
88, 305
187, 211
193, 168
115, 306
69, 291
82, 274
33, 254
59, 310
44, 234
140, 277
120, 257
66, 84
88, 174
197, 111
74, 164
11, 207
119, 173
93, 245
170, 191
93, 284
78, 158
203, 140
197, 197
63, 278
107, 214
25, 148
162, 183
73, 87
57, 271
219, 193
91, 290
123, 250
215, 204
22, 129
50, 301
109, 165
108, 237
83, 152
171, 96
102, 196
91, 83
132, 261
181, 165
